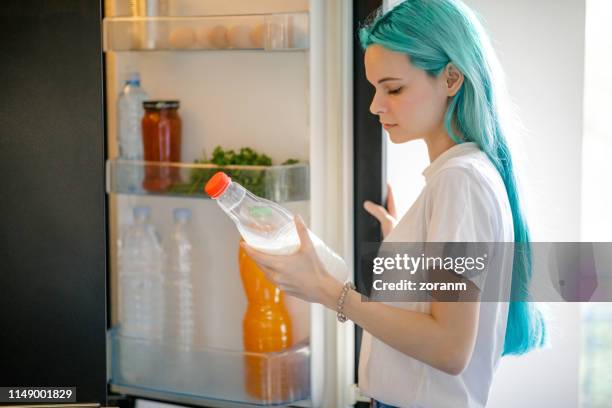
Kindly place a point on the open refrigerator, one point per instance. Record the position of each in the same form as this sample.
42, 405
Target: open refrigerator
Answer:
288, 97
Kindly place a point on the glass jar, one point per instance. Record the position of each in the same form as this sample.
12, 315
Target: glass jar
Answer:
161, 141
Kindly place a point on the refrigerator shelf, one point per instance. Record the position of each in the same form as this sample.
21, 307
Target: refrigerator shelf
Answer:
215, 377
269, 32
282, 183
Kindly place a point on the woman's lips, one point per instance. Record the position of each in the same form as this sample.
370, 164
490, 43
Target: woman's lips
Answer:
388, 126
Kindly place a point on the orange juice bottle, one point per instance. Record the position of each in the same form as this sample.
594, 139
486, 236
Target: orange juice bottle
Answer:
266, 328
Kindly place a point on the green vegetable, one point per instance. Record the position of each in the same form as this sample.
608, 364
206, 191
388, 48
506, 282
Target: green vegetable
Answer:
252, 180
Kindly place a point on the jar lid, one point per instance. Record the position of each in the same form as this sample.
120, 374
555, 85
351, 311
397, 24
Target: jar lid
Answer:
161, 104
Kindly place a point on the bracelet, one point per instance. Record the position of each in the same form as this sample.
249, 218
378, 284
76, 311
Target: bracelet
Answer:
347, 286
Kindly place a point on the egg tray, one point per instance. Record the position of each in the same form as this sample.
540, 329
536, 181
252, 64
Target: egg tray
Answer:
270, 32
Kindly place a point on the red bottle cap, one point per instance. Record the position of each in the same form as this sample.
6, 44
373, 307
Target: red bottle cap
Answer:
217, 184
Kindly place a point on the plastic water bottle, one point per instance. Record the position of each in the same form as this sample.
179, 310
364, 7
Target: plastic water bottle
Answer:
141, 261
267, 226
130, 112
179, 287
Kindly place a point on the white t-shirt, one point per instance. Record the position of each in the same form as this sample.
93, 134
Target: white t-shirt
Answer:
464, 200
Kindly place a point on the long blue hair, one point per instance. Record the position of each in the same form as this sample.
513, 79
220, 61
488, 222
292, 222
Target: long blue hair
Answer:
434, 33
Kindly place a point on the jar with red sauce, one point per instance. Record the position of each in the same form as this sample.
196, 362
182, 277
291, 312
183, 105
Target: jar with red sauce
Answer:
161, 142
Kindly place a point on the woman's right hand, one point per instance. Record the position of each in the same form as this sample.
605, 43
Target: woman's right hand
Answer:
386, 216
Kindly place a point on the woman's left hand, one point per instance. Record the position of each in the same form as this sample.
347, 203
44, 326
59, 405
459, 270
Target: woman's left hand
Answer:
300, 274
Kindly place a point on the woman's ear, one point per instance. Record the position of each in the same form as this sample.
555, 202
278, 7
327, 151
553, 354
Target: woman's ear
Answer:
453, 79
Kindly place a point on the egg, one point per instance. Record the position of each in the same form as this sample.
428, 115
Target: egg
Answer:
218, 37
257, 35
203, 35
238, 36
182, 37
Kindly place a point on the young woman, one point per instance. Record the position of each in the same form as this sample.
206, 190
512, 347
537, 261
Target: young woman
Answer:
437, 79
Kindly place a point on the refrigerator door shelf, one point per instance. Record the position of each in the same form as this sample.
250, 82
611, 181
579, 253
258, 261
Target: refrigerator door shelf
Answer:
208, 376
269, 32
277, 183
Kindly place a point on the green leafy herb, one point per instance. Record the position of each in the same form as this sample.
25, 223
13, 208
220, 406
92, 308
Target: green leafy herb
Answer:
252, 180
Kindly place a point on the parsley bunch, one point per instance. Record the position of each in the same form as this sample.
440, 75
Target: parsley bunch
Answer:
252, 180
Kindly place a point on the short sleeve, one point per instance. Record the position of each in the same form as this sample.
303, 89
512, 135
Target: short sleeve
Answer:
461, 210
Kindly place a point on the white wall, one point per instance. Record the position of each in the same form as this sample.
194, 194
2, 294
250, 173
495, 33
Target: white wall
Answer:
541, 47
596, 201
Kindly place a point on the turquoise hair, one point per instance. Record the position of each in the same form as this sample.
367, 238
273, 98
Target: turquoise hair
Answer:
433, 33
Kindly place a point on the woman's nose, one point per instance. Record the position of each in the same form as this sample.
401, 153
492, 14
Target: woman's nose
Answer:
376, 107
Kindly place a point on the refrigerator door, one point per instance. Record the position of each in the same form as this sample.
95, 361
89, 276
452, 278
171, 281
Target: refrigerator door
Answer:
52, 149
233, 98
295, 103
369, 165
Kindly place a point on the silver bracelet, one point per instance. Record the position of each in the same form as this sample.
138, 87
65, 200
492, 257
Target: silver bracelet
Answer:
347, 286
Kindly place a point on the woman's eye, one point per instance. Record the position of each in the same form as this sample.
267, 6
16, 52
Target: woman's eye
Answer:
395, 91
